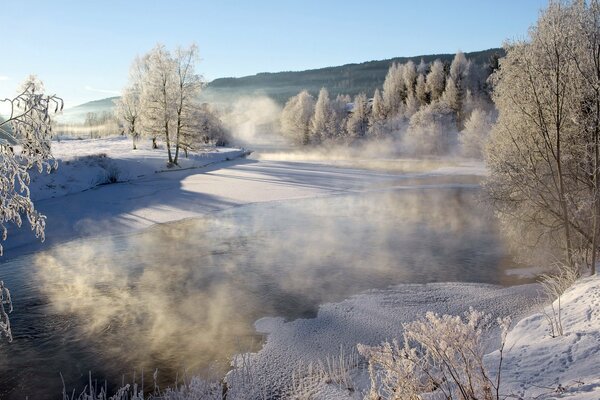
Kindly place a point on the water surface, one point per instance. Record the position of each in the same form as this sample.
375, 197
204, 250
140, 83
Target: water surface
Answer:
182, 297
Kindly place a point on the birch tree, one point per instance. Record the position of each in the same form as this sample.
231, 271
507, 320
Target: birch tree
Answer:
127, 111
532, 146
187, 87
157, 97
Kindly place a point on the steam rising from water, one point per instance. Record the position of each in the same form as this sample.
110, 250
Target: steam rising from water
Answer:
185, 295
253, 121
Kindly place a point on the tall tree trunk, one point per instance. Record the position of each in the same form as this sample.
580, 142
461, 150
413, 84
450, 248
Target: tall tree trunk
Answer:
595, 179
168, 141
559, 166
177, 138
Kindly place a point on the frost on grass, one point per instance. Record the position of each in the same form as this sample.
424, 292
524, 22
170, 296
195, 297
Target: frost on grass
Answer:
441, 356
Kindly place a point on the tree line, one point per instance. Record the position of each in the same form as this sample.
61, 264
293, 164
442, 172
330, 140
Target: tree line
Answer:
431, 107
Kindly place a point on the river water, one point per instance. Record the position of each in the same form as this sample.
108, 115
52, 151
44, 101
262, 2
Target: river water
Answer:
182, 297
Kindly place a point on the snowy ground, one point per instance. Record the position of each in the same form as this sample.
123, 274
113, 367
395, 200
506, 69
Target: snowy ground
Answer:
536, 364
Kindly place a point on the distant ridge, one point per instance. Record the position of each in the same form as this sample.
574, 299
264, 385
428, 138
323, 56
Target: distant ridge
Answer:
76, 115
345, 79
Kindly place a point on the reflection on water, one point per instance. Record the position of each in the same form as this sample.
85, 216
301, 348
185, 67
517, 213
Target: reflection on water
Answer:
183, 296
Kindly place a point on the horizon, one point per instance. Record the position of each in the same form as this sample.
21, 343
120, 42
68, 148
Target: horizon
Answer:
84, 59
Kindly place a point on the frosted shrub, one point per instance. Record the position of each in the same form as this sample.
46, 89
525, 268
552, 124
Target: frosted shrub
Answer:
553, 286
441, 358
195, 389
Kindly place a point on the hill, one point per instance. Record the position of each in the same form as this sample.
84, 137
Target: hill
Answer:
345, 79
76, 115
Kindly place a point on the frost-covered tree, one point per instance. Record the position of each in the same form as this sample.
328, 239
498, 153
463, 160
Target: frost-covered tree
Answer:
378, 111
423, 68
296, 117
358, 121
157, 99
377, 116
474, 137
170, 88
457, 85
394, 90
410, 77
322, 124
24, 144
421, 92
127, 110
436, 80
187, 87
207, 129
534, 149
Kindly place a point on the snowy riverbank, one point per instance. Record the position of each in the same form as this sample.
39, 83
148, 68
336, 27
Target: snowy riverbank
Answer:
536, 365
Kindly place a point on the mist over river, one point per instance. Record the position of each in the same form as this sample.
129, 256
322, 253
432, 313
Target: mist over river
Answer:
182, 297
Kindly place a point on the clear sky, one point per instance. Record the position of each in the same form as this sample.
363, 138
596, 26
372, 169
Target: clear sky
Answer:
82, 49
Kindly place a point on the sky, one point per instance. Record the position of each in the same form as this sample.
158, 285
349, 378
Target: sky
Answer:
82, 49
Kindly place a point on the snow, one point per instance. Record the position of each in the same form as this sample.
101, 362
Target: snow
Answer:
86, 163
535, 363
369, 318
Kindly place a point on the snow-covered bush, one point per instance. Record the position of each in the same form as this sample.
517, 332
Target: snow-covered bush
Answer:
442, 356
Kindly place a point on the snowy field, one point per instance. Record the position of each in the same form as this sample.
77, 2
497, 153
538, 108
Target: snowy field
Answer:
81, 200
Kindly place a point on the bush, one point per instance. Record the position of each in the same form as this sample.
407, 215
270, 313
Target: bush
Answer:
441, 356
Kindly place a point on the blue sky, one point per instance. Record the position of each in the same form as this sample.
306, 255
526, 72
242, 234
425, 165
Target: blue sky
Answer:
82, 49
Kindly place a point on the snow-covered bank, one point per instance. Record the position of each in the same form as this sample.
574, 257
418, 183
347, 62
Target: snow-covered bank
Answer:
86, 163
537, 365
369, 318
